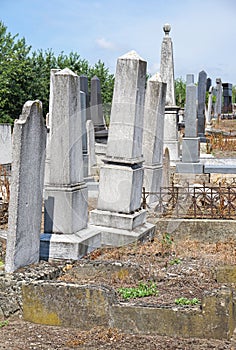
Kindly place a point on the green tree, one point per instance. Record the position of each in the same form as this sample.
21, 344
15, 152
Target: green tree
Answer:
15, 74
234, 94
180, 92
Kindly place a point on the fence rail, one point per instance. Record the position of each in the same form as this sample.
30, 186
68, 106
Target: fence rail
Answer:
193, 201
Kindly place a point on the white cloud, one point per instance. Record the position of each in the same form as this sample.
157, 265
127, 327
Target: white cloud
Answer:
105, 44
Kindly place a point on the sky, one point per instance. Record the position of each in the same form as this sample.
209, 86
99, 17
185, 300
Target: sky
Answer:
203, 31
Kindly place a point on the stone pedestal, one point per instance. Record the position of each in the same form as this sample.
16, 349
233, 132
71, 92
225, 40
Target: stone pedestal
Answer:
171, 132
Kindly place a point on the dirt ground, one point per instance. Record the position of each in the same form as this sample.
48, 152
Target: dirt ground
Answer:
186, 269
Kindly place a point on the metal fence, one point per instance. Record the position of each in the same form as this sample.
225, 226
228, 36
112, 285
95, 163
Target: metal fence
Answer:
193, 201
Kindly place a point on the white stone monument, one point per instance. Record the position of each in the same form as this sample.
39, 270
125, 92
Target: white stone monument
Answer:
171, 110
119, 215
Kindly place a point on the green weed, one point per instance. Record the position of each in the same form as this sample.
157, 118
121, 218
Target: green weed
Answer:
175, 261
186, 301
143, 290
3, 323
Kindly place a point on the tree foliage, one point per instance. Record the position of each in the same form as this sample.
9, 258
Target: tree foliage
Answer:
180, 92
25, 75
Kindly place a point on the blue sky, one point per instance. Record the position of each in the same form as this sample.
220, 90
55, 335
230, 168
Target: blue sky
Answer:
203, 31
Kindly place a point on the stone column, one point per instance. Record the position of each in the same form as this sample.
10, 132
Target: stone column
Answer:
171, 110
190, 145
84, 132
202, 79
66, 193
119, 210
153, 130
25, 209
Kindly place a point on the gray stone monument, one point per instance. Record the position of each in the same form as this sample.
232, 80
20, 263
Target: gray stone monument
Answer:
218, 104
84, 131
119, 214
209, 108
189, 79
96, 105
5, 144
84, 87
91, 147
202, 79
66, 192
153, 132
25, 209
191, 143
171, 110
66, 209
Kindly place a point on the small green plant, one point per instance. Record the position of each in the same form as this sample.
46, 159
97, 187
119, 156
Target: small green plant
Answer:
186, 301
175, 261
143, 290
3, 323
1, 263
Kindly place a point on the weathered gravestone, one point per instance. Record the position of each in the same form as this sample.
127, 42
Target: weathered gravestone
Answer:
66, 195
171, 110
66, 192
96, 105
91, 146
201, 97
190, 145
119, 214
218, 104
25, 209
153, 130
5, 144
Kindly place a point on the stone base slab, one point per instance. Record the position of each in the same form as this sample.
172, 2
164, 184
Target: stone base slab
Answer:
190, 168
69, 246
115, 237
117, 220
66, 208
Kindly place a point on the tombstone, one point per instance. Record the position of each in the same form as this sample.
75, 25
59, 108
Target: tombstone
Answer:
84, 131
153, 130
91, 147
166, 169
171, 110
84, 87
25, 209
48, 124
119, 214
227, 94
66, 190
218, 104
190, 144
189, 79
201, 97
5, 144
209, 107
66, 235
96, 105
208, 84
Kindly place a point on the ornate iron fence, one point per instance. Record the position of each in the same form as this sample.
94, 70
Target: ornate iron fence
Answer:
193, 201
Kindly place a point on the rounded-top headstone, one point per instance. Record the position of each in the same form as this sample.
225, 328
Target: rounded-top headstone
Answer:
167, 28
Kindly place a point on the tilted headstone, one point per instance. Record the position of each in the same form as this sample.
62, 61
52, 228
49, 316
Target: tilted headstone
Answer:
171, 110
153, 132
66, 192
121, 177
5, 144
201, 96
96, 105
25, 209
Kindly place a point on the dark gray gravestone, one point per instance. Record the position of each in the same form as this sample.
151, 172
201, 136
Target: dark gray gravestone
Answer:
208, 84
202, 78
96, 105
